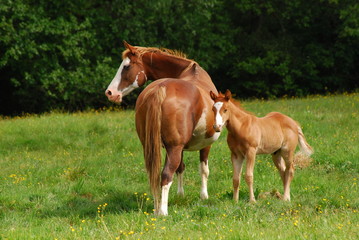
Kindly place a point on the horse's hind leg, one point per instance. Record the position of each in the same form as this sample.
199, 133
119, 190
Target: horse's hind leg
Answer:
279, 163
179, 172
237, 162
204, 171
173, 160
288, 174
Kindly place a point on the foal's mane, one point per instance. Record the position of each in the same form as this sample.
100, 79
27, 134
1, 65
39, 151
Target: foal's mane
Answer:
221, 97
239, 106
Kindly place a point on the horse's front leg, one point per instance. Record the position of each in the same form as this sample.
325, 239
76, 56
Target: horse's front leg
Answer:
237, 162
204, 171
173, 160
250, 157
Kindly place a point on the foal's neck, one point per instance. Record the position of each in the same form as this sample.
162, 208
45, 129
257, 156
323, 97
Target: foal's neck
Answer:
237, 114
158, 65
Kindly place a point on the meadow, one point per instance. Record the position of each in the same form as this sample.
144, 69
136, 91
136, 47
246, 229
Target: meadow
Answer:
82, 176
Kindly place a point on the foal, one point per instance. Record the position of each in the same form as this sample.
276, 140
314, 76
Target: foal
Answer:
248, 135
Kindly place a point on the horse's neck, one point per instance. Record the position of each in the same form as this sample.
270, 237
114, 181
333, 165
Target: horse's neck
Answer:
205, 80
159, 65
238, 117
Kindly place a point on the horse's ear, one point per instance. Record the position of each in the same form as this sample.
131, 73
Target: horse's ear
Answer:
129, 47
213, 96
228, 95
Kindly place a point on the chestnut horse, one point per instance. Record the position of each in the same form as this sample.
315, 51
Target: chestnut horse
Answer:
173, 112
248, 135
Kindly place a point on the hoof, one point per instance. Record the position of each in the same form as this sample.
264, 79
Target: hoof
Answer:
161, 213
204, 195
252, 201
180, 193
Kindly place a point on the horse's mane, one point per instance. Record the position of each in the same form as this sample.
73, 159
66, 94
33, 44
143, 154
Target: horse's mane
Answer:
142, 50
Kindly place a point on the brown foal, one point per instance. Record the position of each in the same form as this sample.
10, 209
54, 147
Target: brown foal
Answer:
248, 135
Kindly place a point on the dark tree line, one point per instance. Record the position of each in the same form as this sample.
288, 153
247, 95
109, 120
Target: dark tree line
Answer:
63, 54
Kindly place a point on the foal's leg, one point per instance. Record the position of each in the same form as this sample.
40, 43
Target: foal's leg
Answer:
173, 161
204, 171
279, 163
251, 157
237, 162
179, 171
288, 174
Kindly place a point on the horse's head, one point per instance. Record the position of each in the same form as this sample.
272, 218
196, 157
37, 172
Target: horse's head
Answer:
130, 75
220, 109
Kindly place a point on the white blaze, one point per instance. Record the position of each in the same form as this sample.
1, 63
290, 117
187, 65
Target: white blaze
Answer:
117, 79
219, 119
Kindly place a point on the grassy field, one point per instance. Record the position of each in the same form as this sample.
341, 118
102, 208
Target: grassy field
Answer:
82, 176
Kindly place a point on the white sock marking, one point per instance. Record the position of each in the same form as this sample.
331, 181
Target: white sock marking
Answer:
164, 199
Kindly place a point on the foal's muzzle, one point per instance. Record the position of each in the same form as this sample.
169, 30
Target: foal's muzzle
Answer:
217, 127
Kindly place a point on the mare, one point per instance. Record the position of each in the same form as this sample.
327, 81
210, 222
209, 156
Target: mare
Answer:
248, 135
174, 112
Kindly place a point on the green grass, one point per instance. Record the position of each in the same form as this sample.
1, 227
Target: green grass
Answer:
82, 176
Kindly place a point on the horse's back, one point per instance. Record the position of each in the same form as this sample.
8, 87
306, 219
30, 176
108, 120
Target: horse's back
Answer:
180, 109
282, 126
282, 119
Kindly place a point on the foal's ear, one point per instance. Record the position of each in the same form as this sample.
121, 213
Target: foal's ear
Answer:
129, 47
213, 96
228, 95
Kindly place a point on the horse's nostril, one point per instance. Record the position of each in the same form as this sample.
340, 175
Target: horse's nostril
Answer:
109, 92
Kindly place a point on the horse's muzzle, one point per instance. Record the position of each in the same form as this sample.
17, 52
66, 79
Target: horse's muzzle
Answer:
114, 95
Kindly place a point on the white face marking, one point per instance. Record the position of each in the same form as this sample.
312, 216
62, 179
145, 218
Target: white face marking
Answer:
134, 85
219, 119
130, 88
117, 79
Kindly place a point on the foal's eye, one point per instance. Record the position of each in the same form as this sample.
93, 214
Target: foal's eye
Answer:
126, 67
225, 110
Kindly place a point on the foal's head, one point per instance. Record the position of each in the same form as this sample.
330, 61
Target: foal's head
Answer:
220, 109
130, 75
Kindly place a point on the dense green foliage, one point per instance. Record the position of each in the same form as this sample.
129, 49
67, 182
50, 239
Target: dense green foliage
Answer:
63, 54
82, 176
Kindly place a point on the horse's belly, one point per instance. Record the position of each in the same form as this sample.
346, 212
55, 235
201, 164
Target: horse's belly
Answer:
268, 148
199, 142
200, 137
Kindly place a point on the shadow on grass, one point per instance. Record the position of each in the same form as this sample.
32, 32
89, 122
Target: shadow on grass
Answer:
87, 205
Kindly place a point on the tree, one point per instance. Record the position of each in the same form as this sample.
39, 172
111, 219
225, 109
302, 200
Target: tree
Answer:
63, 54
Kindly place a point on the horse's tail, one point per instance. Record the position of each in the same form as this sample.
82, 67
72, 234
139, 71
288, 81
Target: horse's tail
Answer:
303, 144
152, 140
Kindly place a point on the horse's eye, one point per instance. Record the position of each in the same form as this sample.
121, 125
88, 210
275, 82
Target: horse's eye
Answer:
126, 67
225, 110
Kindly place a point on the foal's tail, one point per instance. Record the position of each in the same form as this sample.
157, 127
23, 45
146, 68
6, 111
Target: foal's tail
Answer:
303, 144
153, 141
